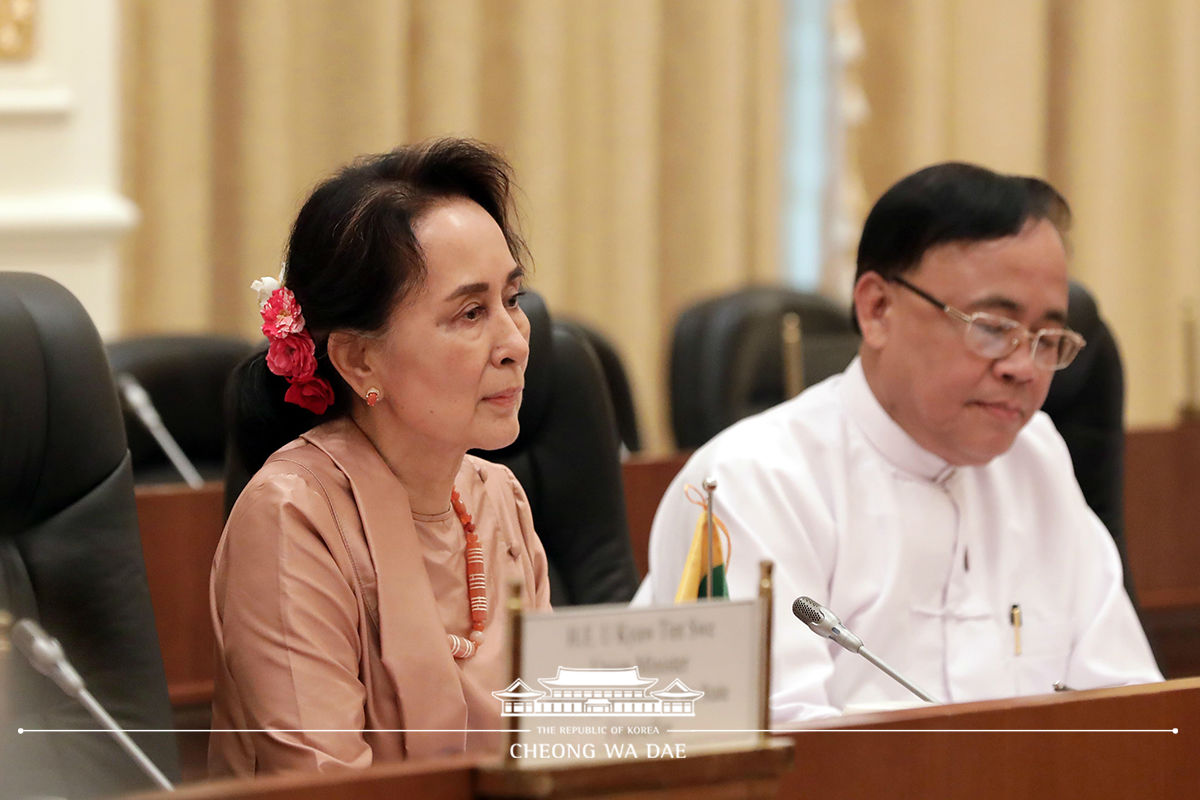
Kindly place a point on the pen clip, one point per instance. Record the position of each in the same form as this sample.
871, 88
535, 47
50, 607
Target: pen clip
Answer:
1014, 618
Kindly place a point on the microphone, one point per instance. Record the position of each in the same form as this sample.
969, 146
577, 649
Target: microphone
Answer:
824, 622
46, 655
139, 401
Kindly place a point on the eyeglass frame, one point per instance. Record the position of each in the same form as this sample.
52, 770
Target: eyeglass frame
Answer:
1021, 333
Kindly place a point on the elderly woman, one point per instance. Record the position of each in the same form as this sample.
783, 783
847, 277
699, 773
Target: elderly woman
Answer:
356, 591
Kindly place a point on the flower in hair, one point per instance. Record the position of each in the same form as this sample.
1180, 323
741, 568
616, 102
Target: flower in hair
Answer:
293, 357
281, 314
291, 353
315, 394
264, 286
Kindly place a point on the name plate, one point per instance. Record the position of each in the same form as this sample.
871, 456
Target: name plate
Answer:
611, 682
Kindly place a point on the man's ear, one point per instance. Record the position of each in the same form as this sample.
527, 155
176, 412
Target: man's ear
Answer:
872, 306
350, 355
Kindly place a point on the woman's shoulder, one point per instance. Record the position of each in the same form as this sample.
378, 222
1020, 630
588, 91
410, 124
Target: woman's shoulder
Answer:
313, 456
298, 459
489, 470
496, 480
296, 474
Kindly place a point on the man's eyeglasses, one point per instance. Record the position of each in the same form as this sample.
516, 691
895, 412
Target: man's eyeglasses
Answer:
996, 337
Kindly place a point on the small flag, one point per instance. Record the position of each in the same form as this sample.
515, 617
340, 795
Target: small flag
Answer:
694, 583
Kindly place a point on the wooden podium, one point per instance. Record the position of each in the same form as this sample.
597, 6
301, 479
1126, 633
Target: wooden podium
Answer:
752, 774
1107, 743
180, 529
1037, 748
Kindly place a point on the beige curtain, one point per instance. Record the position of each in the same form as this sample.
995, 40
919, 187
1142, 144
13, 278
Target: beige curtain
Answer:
1100, 96
644, 135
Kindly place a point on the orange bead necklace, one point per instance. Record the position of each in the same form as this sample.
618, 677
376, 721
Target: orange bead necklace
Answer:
461, 647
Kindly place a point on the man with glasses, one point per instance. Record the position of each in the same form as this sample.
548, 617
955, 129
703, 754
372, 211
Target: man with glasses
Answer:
921, 495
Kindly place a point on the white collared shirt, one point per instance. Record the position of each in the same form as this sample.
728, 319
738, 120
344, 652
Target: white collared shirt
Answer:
922, 560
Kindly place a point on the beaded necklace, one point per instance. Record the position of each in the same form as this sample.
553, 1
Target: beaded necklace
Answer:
463, 648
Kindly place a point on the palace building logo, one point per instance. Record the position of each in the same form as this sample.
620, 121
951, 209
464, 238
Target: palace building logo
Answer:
621, 691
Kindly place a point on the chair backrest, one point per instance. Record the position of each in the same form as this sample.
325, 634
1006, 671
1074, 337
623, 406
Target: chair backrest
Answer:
619, 390
70, 551
727, 358
185, 377
566, 458
1087, 403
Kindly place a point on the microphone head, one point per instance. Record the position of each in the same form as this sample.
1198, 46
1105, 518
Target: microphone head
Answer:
39, 647
45, 654
824, 622
807, 610
132, 390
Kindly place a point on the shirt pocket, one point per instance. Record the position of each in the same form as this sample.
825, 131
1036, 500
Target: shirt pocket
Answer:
1045, 649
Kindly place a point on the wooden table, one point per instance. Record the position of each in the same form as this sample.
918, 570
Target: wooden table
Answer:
180, 529
1108, 743
1056, 760
1162, 535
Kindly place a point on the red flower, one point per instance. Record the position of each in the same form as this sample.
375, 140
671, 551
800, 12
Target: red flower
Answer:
314, 394
292, 357
281, 314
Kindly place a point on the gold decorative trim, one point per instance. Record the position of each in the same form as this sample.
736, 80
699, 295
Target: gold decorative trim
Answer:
17, 29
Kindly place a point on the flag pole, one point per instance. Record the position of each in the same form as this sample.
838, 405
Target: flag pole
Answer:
516, 627
710, 486
766, 601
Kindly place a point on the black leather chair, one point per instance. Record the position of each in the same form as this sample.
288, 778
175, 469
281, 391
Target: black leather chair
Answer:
727, 356
70, 552
619, 390
566, 458
185, 377
1087, 404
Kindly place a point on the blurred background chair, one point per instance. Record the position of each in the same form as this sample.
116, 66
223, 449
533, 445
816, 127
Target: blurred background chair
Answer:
70, 552
728, 356
567, 459
619, 390
185, 378
1087, 404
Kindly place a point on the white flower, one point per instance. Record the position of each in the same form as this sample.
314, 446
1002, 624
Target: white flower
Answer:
265, 286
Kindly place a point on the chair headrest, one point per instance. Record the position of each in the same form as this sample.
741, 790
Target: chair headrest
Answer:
1093, 364
819, 314
59, 416
185, 377
727, 355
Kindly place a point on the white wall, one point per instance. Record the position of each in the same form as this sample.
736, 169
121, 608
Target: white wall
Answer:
61, 213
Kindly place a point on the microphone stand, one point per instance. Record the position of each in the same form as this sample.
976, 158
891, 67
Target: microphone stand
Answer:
46, 655
891, 673
139, 400
823, 622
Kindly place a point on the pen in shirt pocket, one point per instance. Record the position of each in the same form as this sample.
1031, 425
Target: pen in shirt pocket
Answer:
1014, 617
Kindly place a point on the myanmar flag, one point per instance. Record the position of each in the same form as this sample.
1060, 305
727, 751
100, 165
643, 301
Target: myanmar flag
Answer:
694, 583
